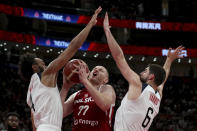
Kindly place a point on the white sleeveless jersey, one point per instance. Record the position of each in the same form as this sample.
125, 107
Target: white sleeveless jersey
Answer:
137, 115
45, 104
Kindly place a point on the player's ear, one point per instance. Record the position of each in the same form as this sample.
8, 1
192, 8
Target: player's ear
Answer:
106, 80
151, 77
35, 67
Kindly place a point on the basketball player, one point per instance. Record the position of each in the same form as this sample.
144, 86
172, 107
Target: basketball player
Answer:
92, 107
141, 103
43, 96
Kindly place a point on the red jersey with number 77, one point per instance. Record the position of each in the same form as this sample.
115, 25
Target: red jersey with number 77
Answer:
88, 116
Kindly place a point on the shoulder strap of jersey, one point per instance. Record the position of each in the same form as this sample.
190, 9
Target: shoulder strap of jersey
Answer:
144, 85
39, 75
32, 105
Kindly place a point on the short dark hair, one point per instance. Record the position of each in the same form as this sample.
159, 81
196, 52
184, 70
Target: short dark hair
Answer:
12, 114
25, 65
159, 73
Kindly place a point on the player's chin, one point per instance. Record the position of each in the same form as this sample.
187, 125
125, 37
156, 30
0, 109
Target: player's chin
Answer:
93, 78
142, 80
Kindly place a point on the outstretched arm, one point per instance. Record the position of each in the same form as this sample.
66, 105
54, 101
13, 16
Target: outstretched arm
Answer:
68, 104
75, 44
171, 56
117, 53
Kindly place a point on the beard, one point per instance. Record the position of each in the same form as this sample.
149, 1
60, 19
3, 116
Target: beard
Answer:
143, 80
41, 69
10, 128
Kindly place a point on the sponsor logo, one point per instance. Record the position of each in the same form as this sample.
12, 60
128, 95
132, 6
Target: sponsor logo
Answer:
61, 43
48, 42
86, 100
148, 25
52, 16
68, 19
36, 14
85, 122
165, 52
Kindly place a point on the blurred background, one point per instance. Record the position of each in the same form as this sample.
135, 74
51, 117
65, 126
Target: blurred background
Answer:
145, 29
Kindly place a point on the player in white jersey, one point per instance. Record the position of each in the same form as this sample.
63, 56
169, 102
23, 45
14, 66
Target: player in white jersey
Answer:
141, 103
43, 96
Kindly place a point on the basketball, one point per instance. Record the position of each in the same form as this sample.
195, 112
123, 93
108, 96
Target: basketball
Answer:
69, 67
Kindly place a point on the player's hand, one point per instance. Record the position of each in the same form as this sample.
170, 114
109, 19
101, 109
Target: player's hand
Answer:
66, 81
177, 53
106, 23
83, 74
93, 20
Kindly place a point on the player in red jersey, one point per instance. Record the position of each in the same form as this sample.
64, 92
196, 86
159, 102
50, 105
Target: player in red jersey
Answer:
92, 106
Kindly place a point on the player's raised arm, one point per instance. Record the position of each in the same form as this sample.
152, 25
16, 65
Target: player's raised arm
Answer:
74, 45
118, 56
171, 56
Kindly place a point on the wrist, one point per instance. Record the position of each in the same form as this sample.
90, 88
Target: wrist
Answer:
84, 81
170, 59
90, 24
106, 30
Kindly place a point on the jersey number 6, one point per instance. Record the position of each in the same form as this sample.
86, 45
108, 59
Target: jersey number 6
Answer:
147, 118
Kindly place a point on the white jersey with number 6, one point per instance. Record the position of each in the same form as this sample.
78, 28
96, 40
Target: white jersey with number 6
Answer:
137, 115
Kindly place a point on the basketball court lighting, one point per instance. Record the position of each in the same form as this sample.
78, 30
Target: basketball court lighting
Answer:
155, 59
96, 55
189, 61
131, 57
179, 60
5, 43
84, 54
107, 56
143, 58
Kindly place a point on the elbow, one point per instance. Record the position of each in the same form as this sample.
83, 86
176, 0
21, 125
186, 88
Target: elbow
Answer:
136, 81
119, 56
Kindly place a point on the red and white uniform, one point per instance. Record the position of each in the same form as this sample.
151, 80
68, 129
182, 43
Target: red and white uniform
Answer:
137, 115
46, 105
88, 116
